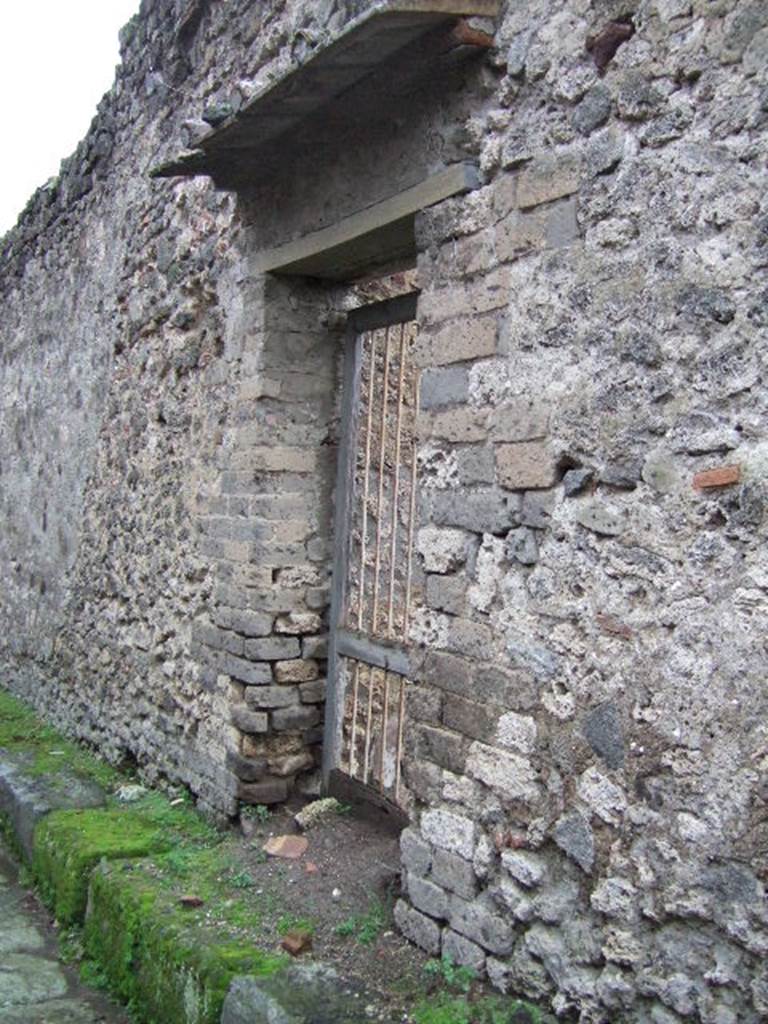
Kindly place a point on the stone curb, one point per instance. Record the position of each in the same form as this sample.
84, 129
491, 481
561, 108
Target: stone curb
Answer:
26, 798
307, 993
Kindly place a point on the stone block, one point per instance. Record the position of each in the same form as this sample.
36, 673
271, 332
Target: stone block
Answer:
443, 747
463, 340
26, 797
523, 419
420, 929
273, 648
312, 692
299, 716
463, 952
475, 464
443, 386
247, 623
446, 593
509, 775
522, 546
478, 721
537, 508
415, 853
454, 873
525, 466
600, 519
525, 867
480, 509
442, 549
478, 921
459, 424
247, 721
294, 995
299, 623
427, 897
314, 647
516, 732
297, 670
449, 831
291, 764
267, 791
245, 768
474, 639
218, 639
547, 177
246, 671
448, 672
602, 730
269, 696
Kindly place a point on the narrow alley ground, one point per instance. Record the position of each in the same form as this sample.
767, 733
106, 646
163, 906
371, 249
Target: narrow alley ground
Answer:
35, 987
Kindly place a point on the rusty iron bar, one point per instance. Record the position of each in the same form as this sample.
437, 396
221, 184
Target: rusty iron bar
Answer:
380, 500
384, 717
366, 475
411, 512
368, 725
399, 750
353, 736
396, 486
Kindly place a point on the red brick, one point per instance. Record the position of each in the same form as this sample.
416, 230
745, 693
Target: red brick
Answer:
722, 476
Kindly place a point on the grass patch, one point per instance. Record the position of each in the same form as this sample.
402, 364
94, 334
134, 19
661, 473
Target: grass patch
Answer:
451, 975
447, 1009
366, 927
288, 923
22, 731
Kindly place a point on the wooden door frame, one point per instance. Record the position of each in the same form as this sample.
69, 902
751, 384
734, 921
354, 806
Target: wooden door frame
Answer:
367, 318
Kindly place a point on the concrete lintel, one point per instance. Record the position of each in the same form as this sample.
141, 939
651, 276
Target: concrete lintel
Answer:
380, 234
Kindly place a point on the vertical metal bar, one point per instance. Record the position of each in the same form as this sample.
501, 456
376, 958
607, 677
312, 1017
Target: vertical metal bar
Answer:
368, 723
384, 716
353, 736
366, 475
412, 510
396, 488
380, 500
335, 702
399, 752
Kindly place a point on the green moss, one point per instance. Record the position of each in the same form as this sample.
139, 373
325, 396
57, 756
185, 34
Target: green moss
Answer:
22, 730
446, 1009
69, 845
169, 963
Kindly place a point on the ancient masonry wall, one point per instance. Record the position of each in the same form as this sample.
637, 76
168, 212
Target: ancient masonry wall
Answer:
587, 743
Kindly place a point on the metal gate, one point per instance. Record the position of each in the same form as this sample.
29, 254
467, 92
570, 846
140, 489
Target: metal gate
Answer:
367, 699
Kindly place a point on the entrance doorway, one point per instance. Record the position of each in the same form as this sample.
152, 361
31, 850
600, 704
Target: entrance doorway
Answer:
372, 603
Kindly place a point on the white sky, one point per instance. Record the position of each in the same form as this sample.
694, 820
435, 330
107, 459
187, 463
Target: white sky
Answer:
57, 59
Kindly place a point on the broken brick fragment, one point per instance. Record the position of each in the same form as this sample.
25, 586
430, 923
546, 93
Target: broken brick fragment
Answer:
722, 476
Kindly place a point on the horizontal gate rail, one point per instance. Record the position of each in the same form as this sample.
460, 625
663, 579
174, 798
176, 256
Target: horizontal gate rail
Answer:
373, 652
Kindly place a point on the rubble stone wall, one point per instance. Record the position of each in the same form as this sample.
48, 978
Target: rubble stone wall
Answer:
587, 743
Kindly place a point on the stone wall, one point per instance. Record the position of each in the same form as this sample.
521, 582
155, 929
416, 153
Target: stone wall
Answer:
587, 741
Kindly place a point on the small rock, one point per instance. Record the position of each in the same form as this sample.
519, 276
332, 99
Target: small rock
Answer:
297, 942
336, 894
311, 868
286, 847
575, 480
316, 811
191, 901
130, 793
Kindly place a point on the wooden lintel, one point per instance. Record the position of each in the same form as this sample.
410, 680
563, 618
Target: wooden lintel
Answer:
321, 252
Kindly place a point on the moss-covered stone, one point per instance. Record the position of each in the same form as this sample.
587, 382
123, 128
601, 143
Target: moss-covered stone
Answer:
168, 963
69, 844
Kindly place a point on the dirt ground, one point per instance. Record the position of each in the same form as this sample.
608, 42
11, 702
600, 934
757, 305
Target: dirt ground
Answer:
342, 889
